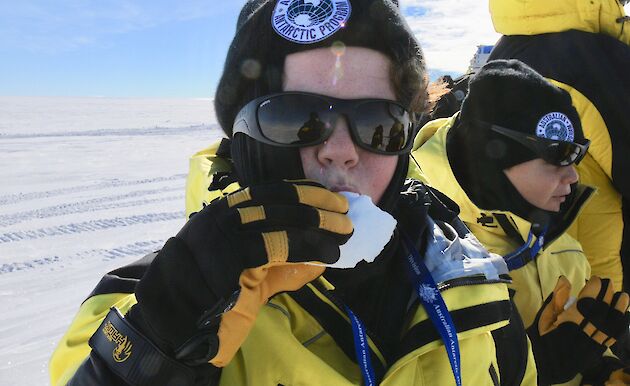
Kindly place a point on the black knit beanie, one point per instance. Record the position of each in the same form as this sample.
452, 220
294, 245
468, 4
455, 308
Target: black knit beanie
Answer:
507, 93
268, 31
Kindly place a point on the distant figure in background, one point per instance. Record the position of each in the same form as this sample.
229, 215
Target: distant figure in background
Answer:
396, 137
377, 137
311, 129
453, 91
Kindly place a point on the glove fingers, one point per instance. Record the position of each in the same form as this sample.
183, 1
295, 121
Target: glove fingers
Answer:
297, 192
314, 246
553, 306
606, 292
617, 318
620, 301
592, 288
562, 292
279, 217
601, 321
292, 245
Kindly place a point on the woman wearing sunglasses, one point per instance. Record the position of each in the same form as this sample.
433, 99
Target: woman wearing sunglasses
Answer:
508, 160
319, 99
585, 48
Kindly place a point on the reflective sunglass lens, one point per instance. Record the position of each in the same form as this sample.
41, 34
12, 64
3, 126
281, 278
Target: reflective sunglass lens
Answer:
382, 126
295, 119
564, 153
307, 120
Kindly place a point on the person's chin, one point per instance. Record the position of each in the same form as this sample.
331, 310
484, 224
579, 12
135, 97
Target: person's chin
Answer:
555, 204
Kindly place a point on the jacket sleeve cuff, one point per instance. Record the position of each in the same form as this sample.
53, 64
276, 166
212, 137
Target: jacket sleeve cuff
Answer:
133, 358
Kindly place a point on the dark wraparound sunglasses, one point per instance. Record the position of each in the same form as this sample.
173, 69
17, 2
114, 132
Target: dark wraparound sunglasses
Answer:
560, 153
298, 119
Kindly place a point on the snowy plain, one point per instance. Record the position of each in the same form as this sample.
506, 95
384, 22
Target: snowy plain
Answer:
86, 185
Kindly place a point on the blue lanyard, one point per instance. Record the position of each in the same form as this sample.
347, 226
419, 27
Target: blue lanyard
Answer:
435, 307
362, 349
526, 252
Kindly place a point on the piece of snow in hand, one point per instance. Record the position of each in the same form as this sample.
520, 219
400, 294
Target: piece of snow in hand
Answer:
373, 228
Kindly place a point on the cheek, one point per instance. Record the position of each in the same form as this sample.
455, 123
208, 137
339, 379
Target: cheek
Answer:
552, 203
309, 163
539, 192
381, 170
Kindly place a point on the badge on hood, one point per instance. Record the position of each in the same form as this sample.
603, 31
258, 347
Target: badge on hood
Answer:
309, 21
556, 126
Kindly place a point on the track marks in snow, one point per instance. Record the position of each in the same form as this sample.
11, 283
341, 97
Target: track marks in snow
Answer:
88, 226
134, 249
92, 205
18, 198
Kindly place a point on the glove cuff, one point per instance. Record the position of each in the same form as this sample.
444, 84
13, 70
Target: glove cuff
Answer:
563, 353
133, 357
172, 295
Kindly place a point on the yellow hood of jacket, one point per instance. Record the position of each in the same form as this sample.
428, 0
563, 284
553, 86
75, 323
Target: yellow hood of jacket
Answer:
533, 17
201, 169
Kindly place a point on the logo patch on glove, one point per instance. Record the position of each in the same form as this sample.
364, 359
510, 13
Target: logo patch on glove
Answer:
122, 351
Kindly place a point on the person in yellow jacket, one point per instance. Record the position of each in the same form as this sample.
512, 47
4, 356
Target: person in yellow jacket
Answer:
507, 159
237, 297
584, 48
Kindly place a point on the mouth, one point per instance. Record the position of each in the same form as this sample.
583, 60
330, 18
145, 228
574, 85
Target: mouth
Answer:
561, 198
337, 181
344, 188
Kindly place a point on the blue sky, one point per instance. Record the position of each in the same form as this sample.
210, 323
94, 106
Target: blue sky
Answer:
161, 48
114, 47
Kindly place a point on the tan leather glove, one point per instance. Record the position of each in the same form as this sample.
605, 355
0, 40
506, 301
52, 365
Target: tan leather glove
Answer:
572, 340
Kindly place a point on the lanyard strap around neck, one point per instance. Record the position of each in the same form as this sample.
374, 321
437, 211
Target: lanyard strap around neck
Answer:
435, 307
362, 349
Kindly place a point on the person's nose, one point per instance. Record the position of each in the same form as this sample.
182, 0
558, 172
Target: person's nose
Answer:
339, 150
569, 175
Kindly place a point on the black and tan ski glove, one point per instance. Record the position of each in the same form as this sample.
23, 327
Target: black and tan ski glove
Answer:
568, 339
201, 295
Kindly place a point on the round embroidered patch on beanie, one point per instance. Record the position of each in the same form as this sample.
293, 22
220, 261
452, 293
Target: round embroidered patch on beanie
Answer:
309, 21
556, 126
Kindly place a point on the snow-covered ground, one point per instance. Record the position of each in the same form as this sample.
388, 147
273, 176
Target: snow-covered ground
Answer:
86, 185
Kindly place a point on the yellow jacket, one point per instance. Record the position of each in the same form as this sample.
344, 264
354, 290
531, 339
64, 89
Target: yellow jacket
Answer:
306, 353
533, 17
307, 328
534, 281
584, 47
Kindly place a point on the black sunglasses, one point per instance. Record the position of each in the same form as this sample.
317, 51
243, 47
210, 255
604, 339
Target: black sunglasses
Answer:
299, 119
560, 153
